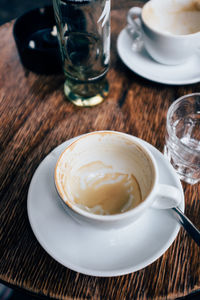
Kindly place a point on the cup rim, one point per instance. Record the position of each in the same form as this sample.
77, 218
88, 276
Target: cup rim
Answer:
166, 34
168, 127
120, 216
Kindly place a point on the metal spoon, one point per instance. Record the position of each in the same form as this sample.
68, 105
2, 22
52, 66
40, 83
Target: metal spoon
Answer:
187, 224
165, 202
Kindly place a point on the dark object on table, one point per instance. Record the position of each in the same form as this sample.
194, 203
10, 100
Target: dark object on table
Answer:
36, 40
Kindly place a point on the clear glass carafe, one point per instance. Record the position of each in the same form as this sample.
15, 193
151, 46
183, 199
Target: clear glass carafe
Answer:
84, 36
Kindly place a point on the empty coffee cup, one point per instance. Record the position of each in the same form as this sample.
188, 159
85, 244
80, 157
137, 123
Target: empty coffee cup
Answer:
109, 179
170, 29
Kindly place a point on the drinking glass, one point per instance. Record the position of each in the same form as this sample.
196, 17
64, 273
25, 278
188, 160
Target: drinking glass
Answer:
182, 142
84, 36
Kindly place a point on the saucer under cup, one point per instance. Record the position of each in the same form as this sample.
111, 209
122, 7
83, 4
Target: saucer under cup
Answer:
94, 251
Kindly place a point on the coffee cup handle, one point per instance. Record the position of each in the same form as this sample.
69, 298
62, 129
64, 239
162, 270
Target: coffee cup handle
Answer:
134, 17
167, 196
134, 28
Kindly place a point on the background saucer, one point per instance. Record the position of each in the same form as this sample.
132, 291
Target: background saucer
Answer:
142, 64
98, 252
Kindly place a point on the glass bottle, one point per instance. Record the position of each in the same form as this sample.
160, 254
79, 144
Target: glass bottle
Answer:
84, 36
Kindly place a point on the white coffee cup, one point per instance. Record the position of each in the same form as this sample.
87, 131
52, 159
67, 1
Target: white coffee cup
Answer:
109, 179
170, 29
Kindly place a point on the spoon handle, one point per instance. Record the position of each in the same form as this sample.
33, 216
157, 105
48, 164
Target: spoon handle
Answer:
187, 224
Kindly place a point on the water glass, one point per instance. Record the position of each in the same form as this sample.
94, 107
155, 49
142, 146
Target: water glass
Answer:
182, 142
84, 36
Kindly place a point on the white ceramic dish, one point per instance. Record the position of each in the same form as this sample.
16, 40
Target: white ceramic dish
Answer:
92, 251
142, 64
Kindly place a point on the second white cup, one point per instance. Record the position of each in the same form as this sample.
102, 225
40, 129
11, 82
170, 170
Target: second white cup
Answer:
170, 29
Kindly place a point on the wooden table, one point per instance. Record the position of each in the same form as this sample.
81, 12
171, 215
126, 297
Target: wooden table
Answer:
35, 118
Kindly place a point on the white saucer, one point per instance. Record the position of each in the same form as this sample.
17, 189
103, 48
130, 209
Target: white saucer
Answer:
142, 64
98, 252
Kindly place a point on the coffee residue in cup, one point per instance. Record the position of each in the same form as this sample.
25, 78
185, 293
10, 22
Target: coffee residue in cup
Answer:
106, 193
192, 6
173, 17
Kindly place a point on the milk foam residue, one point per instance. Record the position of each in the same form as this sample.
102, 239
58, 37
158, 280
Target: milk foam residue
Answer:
100, 190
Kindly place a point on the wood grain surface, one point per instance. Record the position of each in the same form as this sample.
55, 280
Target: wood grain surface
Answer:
35, 117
